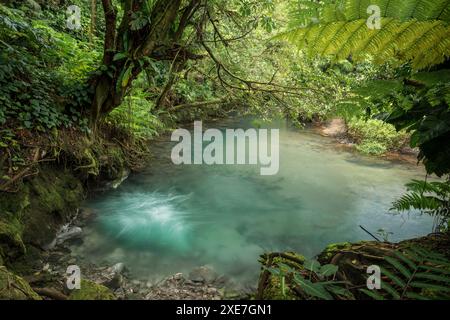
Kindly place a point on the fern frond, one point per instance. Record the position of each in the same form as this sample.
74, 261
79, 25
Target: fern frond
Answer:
416, 201
421, 10
409, 281
412, 30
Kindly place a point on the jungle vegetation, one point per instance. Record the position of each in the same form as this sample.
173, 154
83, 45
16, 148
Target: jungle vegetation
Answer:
73, 82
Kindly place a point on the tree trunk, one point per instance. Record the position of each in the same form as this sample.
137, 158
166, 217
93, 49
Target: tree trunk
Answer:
153, 40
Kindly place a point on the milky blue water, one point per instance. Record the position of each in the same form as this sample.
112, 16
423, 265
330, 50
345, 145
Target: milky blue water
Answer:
171, 219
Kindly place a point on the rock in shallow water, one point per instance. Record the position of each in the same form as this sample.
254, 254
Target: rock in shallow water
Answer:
66, 233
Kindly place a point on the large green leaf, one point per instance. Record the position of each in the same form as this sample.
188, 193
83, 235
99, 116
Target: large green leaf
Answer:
328, 270
126, 76
313, 289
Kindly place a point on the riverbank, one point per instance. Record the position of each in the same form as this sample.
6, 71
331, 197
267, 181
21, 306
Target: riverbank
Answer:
399, 262
337, 129
41, 194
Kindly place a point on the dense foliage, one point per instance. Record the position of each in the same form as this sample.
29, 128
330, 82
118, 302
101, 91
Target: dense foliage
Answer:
84, 95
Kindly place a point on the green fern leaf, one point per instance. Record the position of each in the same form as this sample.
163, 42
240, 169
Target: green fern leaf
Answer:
373, 294
435, 269
389, 289
416, 296
398, 281
423, 285
397, 265
406, 260
434, 277
412, 30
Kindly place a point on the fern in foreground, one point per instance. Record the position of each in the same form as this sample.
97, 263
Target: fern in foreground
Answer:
414, 273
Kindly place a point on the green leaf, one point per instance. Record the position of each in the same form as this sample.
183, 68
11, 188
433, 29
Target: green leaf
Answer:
373, 294
126, 76
435, 269
389, 289
398, 281
120, 56
313, 289
328, 270
429, 276
340, 291
406, 260
283, 286
312, 265
429, 286
285, 267
416, 296
397, 265
273, 271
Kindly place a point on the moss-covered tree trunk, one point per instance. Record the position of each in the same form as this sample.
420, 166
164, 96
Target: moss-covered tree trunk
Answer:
128, 46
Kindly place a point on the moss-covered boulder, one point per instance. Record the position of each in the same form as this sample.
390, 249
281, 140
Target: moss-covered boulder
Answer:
34, 213
332, 249
54, 199
11, 244
91, 291
13, 287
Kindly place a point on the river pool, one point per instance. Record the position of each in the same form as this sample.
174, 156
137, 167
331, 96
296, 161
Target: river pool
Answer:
171, 219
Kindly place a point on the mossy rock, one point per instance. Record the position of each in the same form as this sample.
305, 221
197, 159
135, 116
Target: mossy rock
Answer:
11, 244
330, 250
33, 214
13, 287
54, 197
91, 291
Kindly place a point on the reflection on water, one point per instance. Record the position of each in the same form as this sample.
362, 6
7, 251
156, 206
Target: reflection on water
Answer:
173, 218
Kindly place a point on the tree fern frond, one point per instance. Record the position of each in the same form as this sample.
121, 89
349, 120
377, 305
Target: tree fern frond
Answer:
409, 281
416, 201
398, 266
412, 30
373, 294
405, 259
353, 38
430, 276
379, 39
397, 280
407, 41
423, 285
444, 12
389, 289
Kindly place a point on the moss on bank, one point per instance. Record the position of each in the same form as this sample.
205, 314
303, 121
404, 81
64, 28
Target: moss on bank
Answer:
33, 214
13, 287
332, 249
91, 291
270, 287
